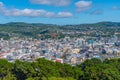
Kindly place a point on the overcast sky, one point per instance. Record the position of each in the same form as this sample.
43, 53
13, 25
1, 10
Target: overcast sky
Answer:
59, 11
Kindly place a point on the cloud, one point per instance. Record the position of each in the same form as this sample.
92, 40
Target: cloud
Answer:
96, 12
32, 13
36, 13
115, 8
83, 5
64, 14
52, 2
28, 12
1, 4
2, 7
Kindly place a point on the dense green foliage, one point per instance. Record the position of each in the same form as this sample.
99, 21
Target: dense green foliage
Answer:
38, 70
43, 69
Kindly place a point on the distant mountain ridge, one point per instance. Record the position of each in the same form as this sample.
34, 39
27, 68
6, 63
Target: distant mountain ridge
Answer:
104, 23
99, 24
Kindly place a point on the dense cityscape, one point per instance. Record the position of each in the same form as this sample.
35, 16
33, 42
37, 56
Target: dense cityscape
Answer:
54, 52
67, 50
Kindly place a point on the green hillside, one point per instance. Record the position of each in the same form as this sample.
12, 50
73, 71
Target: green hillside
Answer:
39, 30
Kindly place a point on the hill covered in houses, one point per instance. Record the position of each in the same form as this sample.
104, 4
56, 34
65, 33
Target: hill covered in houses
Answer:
43, 31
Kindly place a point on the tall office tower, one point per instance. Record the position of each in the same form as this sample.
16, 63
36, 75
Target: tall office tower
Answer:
115, 38
91, 43
99, 37
83, 43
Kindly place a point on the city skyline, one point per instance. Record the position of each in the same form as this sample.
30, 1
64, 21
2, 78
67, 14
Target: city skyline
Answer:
59, 11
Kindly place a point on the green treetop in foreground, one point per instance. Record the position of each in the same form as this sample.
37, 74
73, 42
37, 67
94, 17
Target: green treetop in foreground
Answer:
43, 69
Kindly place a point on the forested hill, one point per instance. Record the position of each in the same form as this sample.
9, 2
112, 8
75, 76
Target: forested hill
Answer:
42, 69
39, 30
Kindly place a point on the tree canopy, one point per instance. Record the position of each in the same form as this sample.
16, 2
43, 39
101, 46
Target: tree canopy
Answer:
42, 69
